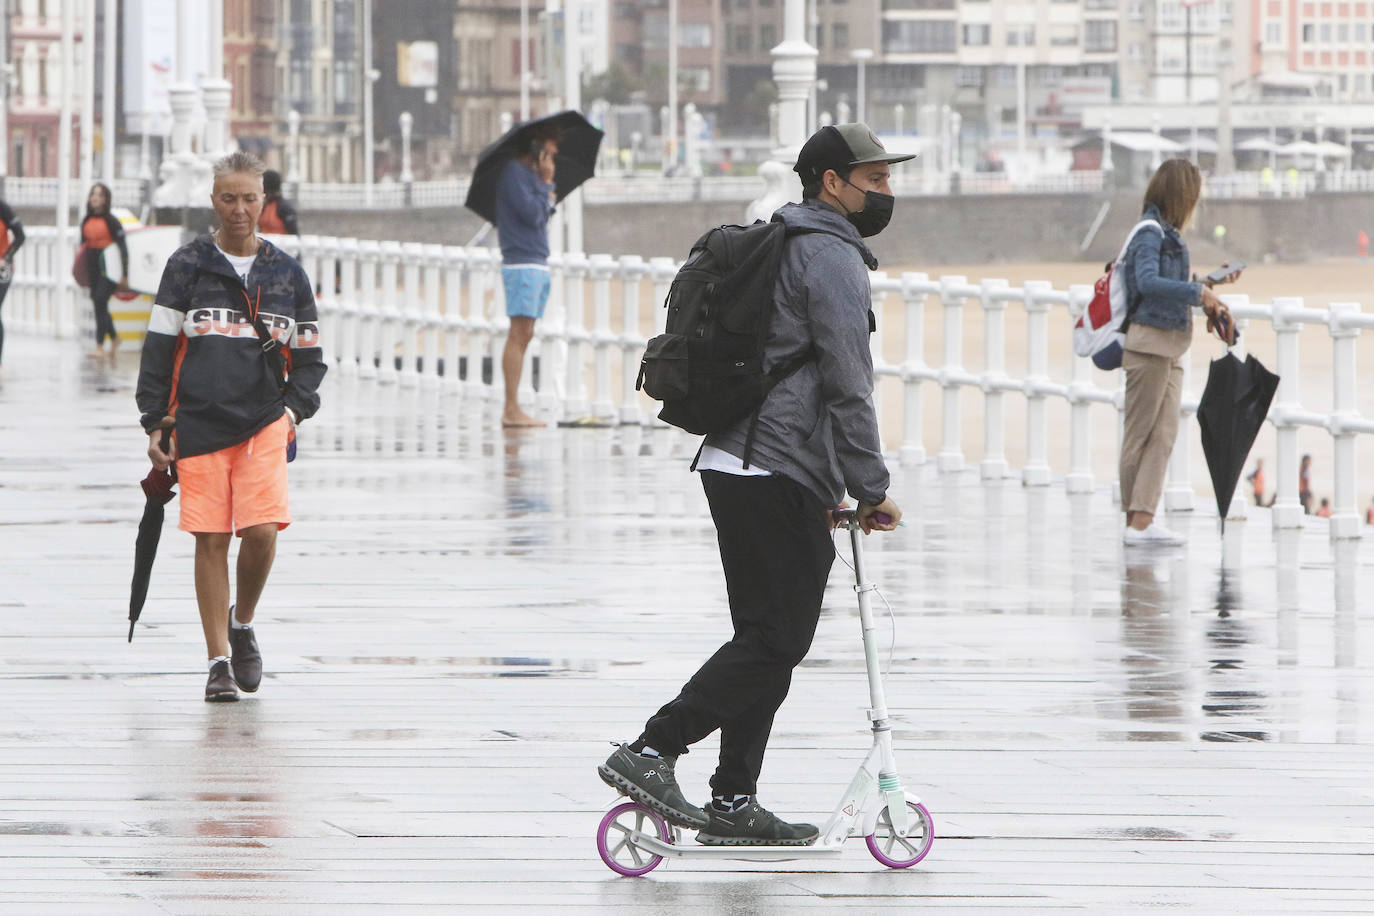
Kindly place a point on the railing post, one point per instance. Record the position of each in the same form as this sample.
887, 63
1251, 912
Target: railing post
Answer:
455, 263
433, 327
602, 269
369, 318
913, 450
482, 333
951, 457
994, 464
1178, 496
1037, 470
410, 312
550, 342
575, 396
346, 345
877, 280
1288, 511
1080, 476
632, 268
390, 312
1345, 517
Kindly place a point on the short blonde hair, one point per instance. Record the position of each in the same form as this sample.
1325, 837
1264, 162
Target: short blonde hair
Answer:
239, 161
1174, 191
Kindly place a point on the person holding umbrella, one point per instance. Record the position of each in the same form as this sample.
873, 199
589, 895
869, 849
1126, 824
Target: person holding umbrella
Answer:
525, 197
233, 354
1161, 298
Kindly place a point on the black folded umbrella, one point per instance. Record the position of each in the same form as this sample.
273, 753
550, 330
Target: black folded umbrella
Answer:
1231, 411
574, 164
157, 488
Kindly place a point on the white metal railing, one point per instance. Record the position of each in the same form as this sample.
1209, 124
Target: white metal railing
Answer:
431, 315
651, 187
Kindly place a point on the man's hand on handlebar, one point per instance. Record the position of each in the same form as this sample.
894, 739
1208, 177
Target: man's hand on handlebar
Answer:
883, 517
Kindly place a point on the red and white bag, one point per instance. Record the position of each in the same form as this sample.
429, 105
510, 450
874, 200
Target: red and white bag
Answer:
1098, 332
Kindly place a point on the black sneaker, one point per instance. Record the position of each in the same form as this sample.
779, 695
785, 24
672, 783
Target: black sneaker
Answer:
220, 687
650, 781
753, 825
245, 657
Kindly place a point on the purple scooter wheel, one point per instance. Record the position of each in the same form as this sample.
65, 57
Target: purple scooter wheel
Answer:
615, 846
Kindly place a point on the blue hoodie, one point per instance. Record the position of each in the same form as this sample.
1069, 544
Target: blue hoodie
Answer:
522, 214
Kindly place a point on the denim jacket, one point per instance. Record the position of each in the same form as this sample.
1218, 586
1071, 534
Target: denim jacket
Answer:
1156, 273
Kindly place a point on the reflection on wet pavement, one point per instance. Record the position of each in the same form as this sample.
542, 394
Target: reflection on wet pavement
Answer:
460, 620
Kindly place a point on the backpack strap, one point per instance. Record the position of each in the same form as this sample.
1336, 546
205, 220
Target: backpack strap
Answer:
1130, 306
270, 346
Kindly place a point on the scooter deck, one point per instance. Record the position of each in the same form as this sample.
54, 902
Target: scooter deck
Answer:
651, 843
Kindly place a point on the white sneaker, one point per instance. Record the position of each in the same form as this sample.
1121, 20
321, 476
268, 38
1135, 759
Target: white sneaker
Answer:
1156, 535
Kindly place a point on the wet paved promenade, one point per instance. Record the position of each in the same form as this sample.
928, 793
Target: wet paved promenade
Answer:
460, 621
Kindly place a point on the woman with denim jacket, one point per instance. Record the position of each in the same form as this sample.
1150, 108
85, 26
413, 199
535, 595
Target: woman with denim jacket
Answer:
1160, 328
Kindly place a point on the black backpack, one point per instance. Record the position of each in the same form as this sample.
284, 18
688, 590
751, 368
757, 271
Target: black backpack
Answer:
707, 366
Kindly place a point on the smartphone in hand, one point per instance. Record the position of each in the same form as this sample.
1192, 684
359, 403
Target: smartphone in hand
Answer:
1221, 273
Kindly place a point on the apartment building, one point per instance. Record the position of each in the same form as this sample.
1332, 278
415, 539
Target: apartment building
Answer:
250, 67
35, 97
319, 76
1322, 48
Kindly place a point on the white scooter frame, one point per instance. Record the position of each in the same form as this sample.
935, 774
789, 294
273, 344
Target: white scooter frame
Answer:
633, 840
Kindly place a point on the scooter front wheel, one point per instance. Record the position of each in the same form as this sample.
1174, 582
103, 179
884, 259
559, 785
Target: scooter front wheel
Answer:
615, 839
902, 851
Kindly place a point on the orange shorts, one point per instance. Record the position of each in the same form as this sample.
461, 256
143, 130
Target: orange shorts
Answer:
237, 487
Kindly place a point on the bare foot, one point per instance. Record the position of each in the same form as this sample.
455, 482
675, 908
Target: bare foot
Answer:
97, 353
517, 418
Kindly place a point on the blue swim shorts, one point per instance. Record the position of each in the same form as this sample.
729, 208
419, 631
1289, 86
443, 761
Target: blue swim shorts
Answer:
527, 290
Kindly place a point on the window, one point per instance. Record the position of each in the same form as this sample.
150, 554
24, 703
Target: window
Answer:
694, 79
768, 36
1020, 36
1273, 33
694, 35
1063, 36
1135, 52
1135, 11
968, 77
1326, 33
919, 36
1309, 33
1361, 31
1099, 35
744, 39
976, 35
1343, 32
839, 35
1099, 4
918, 4
1171, 17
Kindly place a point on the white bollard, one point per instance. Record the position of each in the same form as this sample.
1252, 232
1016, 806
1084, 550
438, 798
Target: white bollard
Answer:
1345, 517
632, 270
432, 260
388, 330
455, 262
575, 392
913, 411
1080, 476
602, 268
951, 457
994, 464
410, 312
1287, 509
1037, 470
369, 327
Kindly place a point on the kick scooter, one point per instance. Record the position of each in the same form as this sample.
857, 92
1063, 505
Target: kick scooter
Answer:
633, 840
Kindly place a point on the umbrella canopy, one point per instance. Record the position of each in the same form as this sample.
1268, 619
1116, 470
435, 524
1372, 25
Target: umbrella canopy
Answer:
157, 489
575, 163
1231, 410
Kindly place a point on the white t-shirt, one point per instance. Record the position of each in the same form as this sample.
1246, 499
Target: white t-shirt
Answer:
241, 264
714, 459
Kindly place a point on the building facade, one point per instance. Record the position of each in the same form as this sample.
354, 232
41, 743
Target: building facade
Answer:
35, 97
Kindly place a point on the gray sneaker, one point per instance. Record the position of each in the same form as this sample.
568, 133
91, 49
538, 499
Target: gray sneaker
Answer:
244, 657
752, 825
650, 781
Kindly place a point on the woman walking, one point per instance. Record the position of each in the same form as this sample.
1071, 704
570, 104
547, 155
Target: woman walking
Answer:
11, 237
100, 229
1161, 298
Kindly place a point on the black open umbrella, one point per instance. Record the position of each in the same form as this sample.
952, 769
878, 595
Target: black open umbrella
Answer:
1231, 411
574, 164
157, 488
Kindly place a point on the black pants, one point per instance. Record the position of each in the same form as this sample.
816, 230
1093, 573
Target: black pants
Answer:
101, 291
776, 549
4, 289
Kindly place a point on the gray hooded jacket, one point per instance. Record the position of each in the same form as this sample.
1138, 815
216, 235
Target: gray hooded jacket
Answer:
818, 426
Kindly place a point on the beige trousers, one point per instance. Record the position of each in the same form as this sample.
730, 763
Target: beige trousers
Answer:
1154, 392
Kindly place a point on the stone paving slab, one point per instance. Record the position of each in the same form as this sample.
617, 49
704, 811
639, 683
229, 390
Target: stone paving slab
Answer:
460, 621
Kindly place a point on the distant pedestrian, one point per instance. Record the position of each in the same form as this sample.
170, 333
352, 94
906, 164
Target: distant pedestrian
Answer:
11, 237
815, 437
1256, 479
229, 303
1324, 510
524, 201
1369, 513
1156, 272
99, 230
1305, 484
278, 216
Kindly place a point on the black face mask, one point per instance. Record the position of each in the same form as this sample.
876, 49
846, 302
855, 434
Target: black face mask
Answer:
875, 215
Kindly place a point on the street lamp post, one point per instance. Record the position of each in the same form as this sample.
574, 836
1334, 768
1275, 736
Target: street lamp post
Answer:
861, 57
107, 114
370, 76
293, 151
670, 124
